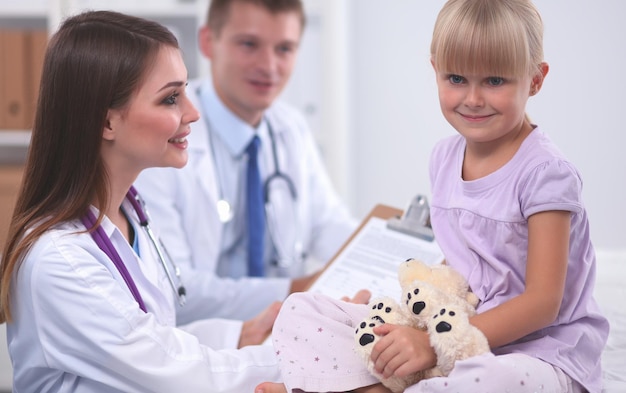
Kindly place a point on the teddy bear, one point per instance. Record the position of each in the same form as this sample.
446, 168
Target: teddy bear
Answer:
385, 310
426, 291
441, 277
453, 338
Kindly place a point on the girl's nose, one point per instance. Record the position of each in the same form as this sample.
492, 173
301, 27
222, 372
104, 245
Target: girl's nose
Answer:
474, 97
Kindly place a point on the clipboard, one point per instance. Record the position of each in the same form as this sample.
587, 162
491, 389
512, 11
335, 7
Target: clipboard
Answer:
369, 259
415, 220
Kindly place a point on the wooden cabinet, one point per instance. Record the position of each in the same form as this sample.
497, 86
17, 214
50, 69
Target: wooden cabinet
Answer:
26, 24
10, 180
20, 71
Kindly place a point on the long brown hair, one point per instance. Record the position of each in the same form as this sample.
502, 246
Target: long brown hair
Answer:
94, 62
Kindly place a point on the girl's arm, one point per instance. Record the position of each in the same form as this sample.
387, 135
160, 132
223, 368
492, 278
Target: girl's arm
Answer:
405, 350
546, 268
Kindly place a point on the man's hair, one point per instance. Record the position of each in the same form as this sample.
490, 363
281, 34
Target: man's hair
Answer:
219, 10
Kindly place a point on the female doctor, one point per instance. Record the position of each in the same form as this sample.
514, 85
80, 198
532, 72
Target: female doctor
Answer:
87, 297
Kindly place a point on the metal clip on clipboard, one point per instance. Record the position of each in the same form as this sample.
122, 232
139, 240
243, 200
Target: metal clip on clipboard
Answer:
415, 220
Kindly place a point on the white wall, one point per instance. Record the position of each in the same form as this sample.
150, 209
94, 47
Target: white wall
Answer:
396, 117
6, 369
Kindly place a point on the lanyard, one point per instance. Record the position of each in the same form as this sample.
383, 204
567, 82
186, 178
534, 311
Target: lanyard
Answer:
103, 242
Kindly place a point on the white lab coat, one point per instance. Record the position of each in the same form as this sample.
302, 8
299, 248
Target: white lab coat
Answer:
77, 328
182, 204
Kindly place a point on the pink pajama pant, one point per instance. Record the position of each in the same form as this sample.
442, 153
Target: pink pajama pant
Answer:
314, 339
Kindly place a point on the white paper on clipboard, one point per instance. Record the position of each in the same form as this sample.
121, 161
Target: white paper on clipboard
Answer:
370, 258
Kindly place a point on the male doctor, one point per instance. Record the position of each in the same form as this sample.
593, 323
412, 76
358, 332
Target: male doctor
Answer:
202, 210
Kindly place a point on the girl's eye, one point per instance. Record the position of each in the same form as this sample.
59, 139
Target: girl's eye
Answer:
171, 100
495, 81
456, 79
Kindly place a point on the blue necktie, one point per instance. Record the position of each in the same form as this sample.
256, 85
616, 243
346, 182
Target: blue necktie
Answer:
255, 212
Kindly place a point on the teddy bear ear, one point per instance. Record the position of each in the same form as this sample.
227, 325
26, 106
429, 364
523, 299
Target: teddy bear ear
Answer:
412, 269
472, 299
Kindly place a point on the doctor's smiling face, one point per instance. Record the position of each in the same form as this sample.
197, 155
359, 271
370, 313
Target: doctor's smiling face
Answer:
252, 56
151, 130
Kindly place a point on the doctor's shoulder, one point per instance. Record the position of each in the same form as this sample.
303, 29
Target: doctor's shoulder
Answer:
63, 247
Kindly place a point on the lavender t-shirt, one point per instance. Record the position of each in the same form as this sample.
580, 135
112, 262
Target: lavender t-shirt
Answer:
482, 228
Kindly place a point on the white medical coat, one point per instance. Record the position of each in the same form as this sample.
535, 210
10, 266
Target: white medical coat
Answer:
182, 204
77, 327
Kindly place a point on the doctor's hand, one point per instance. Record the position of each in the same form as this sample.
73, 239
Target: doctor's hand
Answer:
303, 284
273, 387
257, 329
361, 297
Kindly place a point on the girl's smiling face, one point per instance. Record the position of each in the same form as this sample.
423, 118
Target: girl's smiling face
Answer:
483, 107
151, 130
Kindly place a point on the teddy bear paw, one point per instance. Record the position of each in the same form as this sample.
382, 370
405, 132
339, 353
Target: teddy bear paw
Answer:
454, 338
419, 300
382, 311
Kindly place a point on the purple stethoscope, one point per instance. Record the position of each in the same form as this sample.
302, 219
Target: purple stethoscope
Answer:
104, 243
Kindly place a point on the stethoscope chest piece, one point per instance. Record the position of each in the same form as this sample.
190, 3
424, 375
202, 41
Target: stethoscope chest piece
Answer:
224, 210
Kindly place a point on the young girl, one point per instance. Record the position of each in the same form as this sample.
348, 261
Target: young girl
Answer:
507, 212
88, 304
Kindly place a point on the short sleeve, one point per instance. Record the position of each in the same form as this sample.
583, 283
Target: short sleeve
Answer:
552, 185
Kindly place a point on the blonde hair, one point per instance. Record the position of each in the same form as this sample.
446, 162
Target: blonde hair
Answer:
499, 37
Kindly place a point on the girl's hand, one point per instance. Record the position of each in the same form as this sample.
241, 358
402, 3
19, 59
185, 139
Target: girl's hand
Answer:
402, 351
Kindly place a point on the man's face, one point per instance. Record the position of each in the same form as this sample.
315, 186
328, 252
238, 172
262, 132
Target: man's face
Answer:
252, 57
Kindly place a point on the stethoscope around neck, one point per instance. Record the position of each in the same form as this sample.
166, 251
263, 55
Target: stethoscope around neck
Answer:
104, 243
280, 211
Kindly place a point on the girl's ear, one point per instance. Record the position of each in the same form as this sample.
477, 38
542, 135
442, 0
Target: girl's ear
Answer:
107, 130
540, 76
